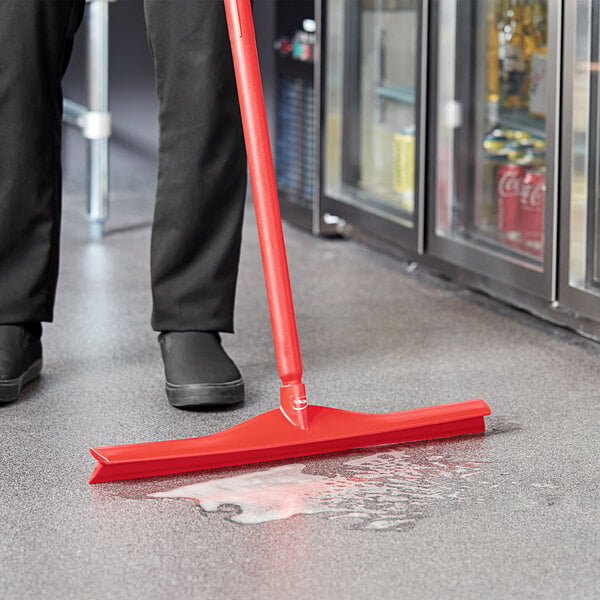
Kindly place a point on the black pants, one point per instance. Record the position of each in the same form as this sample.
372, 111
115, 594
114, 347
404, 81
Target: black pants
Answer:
202, 164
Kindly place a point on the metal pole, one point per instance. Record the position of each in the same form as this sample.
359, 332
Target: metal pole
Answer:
97, 123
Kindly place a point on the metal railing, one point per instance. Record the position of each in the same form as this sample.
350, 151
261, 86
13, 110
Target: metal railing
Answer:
94, 120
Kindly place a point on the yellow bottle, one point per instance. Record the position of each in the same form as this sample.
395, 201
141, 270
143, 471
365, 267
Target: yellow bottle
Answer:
503, 18
529, 43
540, 23
493, 63
539, 60
513, 71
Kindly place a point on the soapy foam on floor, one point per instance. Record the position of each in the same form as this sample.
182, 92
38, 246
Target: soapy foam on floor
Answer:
390, 489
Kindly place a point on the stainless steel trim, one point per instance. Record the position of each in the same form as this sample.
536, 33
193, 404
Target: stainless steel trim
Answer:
73, 113
553, 139
585, 302
419, 223
568, 80
98, 100
316, 222
94, 120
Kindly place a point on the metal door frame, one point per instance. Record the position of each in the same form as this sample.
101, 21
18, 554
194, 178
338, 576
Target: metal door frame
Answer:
585, 302
468, 255
335, 213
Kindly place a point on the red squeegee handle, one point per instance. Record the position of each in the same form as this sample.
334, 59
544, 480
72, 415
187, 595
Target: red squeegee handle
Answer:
240, 24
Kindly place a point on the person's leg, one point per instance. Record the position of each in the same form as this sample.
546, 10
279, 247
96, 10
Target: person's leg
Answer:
200, 198
36, 38
202, 168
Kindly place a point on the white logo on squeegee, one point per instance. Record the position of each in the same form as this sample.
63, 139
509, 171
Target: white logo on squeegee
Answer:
299, 403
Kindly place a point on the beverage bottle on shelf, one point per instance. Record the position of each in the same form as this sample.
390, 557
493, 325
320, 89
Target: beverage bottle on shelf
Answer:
518, 136
403, 159
513, 66
283, 46
529, 46
494, 157
539, 60
303, 44
532, 210
540, 23
503, 18
510, 177
535, 154
532, 198
493, 63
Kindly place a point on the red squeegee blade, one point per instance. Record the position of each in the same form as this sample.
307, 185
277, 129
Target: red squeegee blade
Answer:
270, 436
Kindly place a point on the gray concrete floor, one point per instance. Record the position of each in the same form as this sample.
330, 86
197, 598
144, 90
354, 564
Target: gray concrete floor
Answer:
512, 514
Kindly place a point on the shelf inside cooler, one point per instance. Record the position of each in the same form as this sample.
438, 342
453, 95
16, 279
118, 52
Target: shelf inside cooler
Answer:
484, 239
387, 206
295, 68
522, 120
406, 95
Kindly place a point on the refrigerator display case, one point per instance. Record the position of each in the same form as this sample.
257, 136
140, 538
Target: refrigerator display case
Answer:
374, 67
580, 210
459, 133
494, 151
297, 101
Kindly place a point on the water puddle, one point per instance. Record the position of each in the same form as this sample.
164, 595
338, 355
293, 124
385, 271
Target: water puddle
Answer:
391, 489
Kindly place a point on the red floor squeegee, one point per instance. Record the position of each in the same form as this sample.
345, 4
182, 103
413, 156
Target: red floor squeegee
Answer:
295, 428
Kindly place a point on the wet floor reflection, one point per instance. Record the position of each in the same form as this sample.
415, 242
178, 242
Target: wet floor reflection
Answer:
387, 489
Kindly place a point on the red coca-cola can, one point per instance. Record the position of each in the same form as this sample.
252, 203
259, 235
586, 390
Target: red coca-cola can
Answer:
510, 178
533, 201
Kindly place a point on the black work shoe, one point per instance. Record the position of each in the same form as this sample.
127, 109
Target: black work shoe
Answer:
20, 358
198, 371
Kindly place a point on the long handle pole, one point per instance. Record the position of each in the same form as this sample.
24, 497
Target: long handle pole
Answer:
240, 24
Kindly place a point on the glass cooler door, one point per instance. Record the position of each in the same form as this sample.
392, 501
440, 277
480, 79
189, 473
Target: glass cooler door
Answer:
494, 140
374, 57
580, 213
